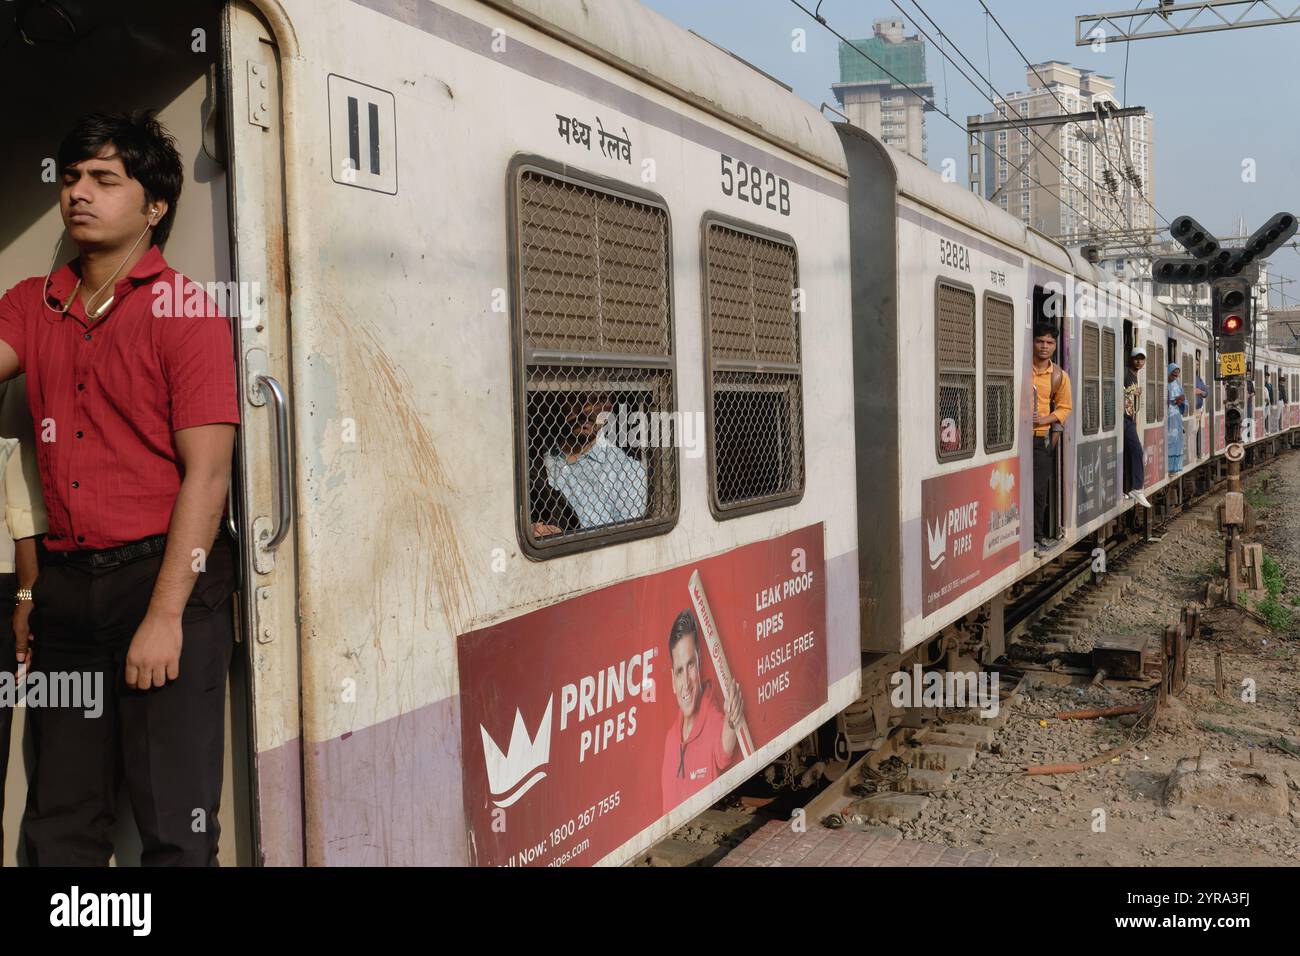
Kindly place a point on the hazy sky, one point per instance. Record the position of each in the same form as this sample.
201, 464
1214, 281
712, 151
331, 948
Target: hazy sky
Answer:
1216, 99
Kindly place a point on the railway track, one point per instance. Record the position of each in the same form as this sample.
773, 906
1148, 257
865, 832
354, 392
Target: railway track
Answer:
1057, 602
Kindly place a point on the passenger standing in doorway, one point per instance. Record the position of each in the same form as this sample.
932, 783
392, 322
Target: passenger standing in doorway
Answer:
1174, 420
24, 519
133, 598
1134, 461
1052, 406
1201, 393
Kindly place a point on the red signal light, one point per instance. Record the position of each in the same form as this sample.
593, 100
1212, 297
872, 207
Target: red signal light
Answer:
1231, 324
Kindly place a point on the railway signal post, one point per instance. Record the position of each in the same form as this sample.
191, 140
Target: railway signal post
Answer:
1232, 327
1230, 301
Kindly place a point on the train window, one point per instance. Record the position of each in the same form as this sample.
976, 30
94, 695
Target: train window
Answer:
1152, 364
1091, 376
1162, 378
754, 379
1107, 379
955, 370
999, 373
594, 340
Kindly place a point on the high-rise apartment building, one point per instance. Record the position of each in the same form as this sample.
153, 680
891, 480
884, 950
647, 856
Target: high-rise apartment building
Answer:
871, 98
1091, 175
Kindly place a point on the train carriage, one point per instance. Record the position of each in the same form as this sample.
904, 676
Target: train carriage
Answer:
612, 424
946, 291
549, 373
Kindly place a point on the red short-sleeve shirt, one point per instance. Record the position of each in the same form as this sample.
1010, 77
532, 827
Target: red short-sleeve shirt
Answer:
108, 396
693, 764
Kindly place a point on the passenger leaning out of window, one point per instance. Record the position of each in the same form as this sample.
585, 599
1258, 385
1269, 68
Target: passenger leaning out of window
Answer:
133, 595
1052, 404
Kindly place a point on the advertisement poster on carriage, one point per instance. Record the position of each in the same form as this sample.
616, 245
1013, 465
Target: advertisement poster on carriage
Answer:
971, 529
584, 722
1097, 479
1153, 450
1220, 433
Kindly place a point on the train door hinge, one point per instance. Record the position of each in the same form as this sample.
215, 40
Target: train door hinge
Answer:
262, 616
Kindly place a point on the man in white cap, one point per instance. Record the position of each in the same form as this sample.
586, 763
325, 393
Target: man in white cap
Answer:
1134, 462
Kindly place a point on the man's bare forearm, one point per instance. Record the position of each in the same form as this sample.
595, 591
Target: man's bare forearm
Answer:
195, 519
25, 561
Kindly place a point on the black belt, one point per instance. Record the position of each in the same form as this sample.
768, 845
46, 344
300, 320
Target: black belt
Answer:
112, 557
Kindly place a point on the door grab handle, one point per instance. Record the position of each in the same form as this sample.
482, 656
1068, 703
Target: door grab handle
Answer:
231, 524
279, 403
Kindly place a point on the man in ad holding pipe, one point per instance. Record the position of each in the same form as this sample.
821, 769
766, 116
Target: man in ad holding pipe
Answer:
701, 743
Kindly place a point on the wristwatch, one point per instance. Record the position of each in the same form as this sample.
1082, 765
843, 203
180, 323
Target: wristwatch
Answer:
24, 594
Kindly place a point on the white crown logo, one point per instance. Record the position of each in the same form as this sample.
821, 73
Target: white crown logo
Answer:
525, 755
938, 540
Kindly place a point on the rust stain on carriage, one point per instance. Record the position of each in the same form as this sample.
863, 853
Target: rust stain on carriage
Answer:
438, 560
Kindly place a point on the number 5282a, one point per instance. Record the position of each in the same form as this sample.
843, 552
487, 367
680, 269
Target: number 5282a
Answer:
753, 185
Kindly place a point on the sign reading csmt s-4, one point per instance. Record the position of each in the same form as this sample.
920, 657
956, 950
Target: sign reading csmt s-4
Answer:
753, 185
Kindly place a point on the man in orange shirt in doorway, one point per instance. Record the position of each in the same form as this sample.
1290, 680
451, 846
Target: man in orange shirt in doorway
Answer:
1052, 405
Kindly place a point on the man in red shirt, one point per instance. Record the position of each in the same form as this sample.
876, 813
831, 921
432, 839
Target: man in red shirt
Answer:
701, 742
135, 406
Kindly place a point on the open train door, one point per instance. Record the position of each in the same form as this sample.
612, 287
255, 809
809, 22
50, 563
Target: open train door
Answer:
264, 514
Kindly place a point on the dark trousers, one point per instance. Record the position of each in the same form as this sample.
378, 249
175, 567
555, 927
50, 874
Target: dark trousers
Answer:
1134, 461
166, 742
1044, 466
8, 665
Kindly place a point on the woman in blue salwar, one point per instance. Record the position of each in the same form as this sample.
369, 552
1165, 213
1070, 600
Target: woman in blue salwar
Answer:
1174, 420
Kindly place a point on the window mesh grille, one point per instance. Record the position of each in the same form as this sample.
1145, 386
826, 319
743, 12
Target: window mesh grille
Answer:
756, 381
1091, 379
999, 374
1108, 379
955, 327
596, 336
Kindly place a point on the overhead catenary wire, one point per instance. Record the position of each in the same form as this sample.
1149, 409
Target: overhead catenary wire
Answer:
921, 97
1105, 151
1016, 46
1029, 136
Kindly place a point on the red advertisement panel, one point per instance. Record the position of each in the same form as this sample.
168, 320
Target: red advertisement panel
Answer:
584, 722
1153, 448
970, 528
1220, 432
